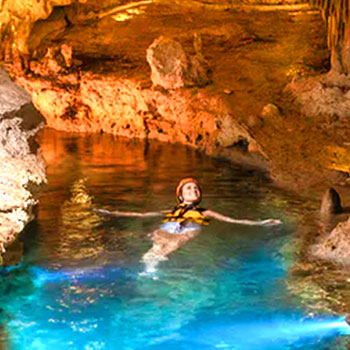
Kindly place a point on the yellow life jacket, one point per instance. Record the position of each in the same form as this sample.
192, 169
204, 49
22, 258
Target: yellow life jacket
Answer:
187, 213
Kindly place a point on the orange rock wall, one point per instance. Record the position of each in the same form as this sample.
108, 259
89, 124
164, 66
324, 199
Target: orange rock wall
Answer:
18, 16
120, 106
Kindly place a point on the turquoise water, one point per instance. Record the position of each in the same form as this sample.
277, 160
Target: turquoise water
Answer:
79, 284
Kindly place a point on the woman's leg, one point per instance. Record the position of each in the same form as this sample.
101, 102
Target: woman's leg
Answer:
164, 244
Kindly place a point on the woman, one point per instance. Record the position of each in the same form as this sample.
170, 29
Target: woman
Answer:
182, 223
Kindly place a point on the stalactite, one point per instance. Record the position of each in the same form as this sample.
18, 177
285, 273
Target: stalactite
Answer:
20, 16
337, 15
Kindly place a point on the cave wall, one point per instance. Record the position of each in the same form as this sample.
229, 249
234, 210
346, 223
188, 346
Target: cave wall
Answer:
22, 167
17, 18
107, 103
101, 83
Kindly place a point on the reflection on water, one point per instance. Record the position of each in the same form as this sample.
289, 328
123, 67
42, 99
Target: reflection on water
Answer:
79, 223
79, 286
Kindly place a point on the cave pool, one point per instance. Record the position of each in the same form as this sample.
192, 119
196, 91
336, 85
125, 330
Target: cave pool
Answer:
78, 285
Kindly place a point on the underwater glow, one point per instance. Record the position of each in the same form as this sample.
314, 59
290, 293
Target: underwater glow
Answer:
80, 285
266, 334
82, 274
271, 334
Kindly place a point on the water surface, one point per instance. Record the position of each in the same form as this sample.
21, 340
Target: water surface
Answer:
79, 284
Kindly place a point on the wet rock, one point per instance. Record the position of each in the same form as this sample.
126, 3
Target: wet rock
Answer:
13, 254
335, 246
330, 208
334, 243
22, 168
171, 68
331, 203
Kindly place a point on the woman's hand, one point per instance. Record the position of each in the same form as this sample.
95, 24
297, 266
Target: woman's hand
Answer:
102, 211
218, 216
108, 212
270, 222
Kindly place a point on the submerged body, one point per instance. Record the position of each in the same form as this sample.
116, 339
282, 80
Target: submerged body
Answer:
166, 240
182, 223
179, 226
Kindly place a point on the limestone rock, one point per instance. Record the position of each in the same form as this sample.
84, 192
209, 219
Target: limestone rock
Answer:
22, 168
171, 68
270, 111
326, 95
107, 102
18, 16
334, 243
335, 246
66, 51
12, 97
254, 121
331, 203
235, 136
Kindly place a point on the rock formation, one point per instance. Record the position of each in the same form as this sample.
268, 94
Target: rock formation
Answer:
22, 168
86, 71
325, 99
331, 203
17, 18
325, 95
172, 68
333, 245
93, 101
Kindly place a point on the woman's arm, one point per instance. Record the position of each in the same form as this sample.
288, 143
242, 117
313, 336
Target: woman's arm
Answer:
130, 214
215, 215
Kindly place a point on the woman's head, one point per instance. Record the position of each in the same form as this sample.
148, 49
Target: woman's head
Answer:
188, 191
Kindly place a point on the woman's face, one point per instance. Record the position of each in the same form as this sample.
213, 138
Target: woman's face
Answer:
190, 193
